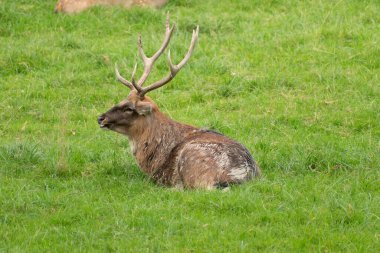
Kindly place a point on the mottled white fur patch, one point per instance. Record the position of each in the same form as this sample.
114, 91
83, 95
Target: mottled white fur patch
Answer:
238, 173
241, 173
223, 160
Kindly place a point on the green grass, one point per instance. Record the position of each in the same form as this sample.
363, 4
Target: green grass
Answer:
296, 81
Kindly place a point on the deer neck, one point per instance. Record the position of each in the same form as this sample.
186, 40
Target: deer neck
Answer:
155, 141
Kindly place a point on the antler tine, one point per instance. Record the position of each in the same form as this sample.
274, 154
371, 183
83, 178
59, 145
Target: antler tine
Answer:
138, 88
149, 61
127, 83
141, 51
122, 79
174, 69
168, 35
194, 39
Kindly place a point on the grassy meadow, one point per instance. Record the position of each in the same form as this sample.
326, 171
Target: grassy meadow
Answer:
297, 82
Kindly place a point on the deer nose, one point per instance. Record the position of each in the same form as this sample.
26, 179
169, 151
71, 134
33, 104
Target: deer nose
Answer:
100, 119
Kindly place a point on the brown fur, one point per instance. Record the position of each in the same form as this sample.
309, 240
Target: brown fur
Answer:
174, 154
75, 6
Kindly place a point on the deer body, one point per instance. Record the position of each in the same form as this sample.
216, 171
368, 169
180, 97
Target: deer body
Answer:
171, 153
74, 6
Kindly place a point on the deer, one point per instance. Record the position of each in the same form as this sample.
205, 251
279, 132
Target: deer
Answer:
75, 6
173, 154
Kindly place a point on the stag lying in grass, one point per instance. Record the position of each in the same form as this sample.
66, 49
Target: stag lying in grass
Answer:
74, 6
171, 153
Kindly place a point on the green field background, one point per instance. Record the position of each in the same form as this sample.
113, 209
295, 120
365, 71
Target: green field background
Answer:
297, 82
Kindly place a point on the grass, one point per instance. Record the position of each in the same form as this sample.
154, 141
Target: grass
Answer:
296, 82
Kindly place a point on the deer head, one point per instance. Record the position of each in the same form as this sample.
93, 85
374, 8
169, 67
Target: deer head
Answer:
132, 113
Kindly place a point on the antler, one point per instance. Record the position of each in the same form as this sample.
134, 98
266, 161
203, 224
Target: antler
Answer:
149, 61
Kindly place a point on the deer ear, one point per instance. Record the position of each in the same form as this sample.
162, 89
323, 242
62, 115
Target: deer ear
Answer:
143, 108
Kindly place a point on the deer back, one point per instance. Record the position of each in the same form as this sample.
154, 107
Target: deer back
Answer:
75, 6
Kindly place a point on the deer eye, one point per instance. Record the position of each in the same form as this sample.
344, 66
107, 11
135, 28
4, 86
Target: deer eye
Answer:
127, 109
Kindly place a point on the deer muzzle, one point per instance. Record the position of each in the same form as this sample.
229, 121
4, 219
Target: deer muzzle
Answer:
102, 121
